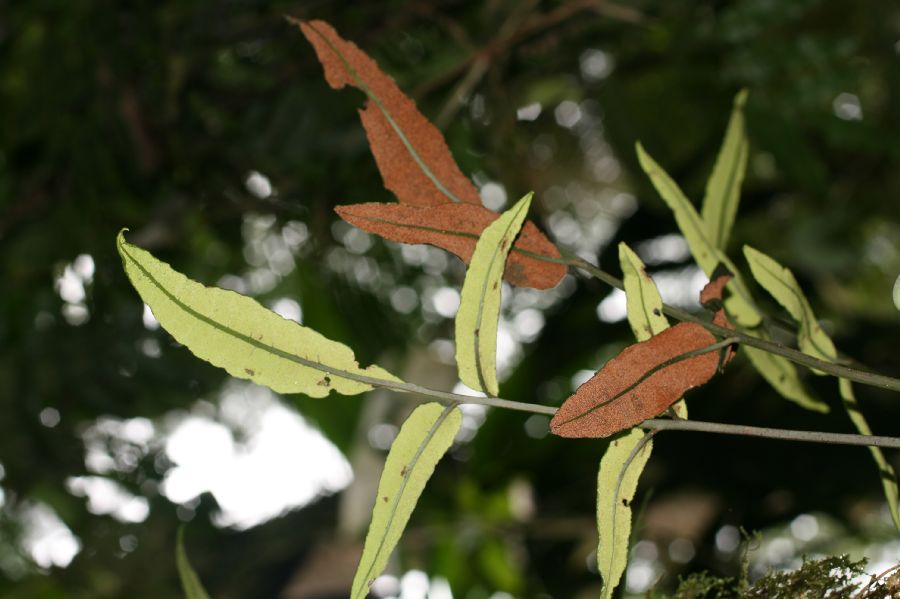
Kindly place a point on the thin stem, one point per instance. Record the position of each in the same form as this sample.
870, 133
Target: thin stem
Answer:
661, 424
651, 424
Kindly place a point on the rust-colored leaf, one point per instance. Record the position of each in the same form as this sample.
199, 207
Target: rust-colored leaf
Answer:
411, 153
712, 293
417, 167
639, 383
648, 377
711, 297
456, 228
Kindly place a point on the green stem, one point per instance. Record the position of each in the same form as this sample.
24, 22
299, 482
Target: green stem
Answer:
650, 424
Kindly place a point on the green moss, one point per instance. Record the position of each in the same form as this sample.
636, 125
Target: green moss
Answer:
831, 576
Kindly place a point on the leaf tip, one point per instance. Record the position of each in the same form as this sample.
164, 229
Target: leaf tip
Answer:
121, 242
646, 161
741, 99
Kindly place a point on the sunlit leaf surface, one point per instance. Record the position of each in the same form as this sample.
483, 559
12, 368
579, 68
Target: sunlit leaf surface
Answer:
422, 441
617, 481
236, 333
479, 308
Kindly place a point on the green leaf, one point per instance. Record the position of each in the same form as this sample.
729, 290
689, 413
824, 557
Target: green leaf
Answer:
781, 284
645, 306
479, 307
423, 439
236, 333
723, 189
781, 374
190, 582
886, 472
617, 481
740, 305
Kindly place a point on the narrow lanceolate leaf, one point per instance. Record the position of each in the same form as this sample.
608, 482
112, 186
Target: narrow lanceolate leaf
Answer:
423, 439
740, 305
456, 228
781, 284
479, 306
617, 481
644, 303
723, 189
190, 582
236, 333
639, 383
411, 153
885, 470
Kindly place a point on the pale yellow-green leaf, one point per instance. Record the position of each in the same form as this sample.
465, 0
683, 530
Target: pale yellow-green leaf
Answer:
781, 284
885, 471
740, 305
723, 189
479, 306
620, 469
423, 439
190, 582
236, 333
644, 304
781, 374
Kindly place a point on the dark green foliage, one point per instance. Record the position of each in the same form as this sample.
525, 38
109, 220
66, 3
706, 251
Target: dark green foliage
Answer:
831, 577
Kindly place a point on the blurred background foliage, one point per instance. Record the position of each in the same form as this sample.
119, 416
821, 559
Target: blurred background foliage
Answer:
207, 128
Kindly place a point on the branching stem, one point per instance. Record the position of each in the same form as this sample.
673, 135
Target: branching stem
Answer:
651, 424
839, 370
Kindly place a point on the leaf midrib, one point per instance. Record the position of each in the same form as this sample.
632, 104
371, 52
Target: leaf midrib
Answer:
237, 334
649, 373
479, 366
